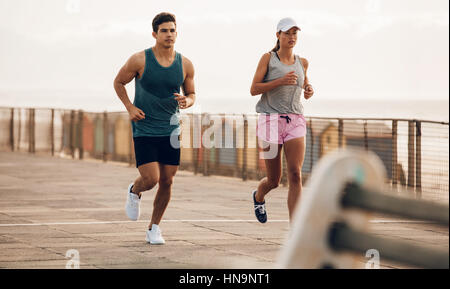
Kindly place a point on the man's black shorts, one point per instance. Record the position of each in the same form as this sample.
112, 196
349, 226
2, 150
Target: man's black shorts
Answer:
156, 149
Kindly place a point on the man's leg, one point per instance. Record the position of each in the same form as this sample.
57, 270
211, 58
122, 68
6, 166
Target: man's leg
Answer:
162, 198
149, 177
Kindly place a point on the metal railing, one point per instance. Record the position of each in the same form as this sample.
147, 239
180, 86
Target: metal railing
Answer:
414, 152
330, 228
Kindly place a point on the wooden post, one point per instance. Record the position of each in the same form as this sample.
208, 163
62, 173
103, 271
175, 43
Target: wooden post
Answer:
31, 130
418, 159
258, 169
19, 133
52, 132
411, 154
244, 151
223, 141
217, 147
194, 143
33, 133
72, 133
394, 153
205, 151
191, 138
238, 171
366, 140
11, 130
80, 135
105, 136
197, 142
340, 132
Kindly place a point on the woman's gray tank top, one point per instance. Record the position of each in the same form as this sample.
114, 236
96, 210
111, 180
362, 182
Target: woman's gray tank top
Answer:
285, 98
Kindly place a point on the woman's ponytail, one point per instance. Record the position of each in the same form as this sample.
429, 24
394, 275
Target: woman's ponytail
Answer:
277, 47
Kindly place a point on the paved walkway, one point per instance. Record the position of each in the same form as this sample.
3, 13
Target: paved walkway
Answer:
51, 205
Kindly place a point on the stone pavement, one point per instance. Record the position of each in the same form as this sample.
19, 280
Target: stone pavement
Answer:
49, 205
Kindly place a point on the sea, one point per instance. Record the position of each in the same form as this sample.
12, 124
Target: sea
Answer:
420, 109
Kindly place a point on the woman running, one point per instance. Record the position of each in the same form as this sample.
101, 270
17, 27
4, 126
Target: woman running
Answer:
280, 78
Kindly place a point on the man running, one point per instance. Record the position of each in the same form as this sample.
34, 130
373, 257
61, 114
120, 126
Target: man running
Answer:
159, 72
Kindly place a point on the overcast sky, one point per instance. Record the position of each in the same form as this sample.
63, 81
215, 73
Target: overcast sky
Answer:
357, 49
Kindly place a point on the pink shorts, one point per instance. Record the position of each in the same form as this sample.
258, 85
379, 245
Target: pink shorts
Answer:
279, 128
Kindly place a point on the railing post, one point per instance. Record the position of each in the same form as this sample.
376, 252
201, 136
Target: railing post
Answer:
19, 133
205, 151
366, 140
33, 133
31, 130
257, 170
80, 134
217, 146
394, 153
195, 140
52, 131
235, 147
244, 151
411, 154
72, 133
191, 138
418, 160
340, 132
105, 136
11, 130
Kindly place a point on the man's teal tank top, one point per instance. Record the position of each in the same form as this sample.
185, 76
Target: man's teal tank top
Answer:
154, 95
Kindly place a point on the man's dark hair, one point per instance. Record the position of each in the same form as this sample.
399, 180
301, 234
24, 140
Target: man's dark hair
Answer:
162, 18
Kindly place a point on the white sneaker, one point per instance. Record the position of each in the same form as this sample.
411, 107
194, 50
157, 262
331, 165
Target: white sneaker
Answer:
154, 236
132, 205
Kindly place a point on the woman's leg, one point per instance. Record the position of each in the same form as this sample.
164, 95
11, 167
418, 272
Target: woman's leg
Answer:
273, 168
294, 150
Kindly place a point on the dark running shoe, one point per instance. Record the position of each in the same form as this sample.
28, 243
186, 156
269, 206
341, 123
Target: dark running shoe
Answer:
260, 210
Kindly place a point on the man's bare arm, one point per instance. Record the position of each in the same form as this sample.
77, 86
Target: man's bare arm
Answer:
125, 76
188, 99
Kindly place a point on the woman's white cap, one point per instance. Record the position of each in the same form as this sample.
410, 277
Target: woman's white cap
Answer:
285, 24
